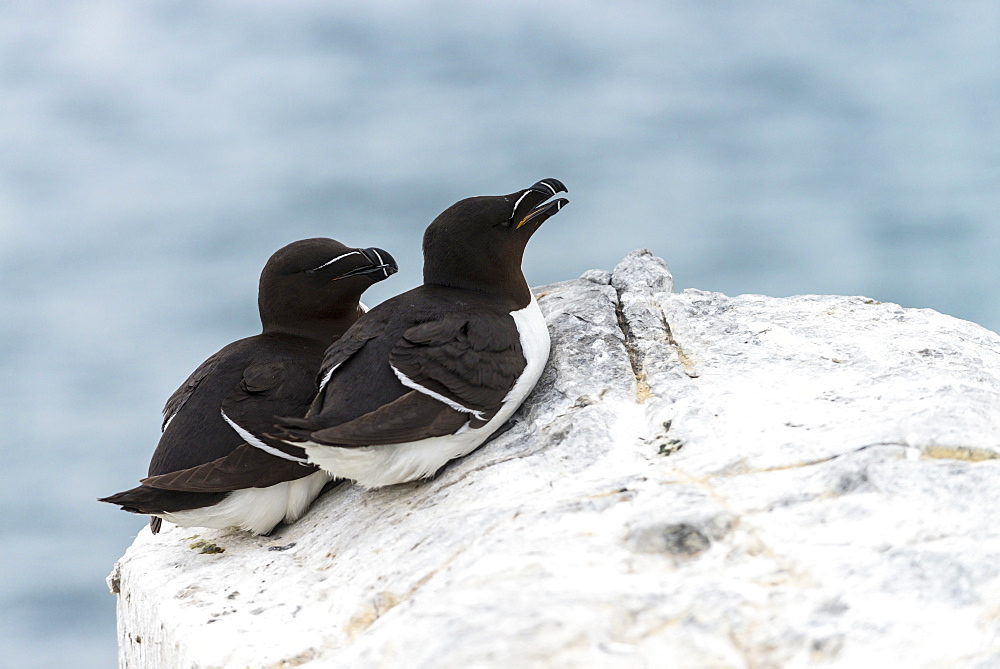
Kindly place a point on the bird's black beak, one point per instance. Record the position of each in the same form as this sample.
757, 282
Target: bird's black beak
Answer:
380, 265
532, 205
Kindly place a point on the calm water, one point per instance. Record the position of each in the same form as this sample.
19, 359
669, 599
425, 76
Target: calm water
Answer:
153, 155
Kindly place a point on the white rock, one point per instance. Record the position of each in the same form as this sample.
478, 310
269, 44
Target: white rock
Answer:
697, 481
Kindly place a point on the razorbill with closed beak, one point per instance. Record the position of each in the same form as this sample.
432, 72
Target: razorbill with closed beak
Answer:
429, 375
214, 466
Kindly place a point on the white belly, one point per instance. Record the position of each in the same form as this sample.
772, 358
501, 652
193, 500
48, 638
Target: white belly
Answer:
256, 510
376, 466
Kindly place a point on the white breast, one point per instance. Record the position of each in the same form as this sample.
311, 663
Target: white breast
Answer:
376, 466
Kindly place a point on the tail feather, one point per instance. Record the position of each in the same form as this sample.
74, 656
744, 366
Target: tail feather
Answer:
145, 500
127, 500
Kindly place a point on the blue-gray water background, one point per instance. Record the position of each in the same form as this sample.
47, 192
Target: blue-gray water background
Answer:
154, 154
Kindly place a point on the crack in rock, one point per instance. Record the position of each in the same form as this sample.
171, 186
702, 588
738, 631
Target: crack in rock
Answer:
642, 390
641, 283
687, 366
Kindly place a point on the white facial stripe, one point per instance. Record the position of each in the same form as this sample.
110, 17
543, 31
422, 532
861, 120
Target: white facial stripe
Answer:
519, 202
167, 423
257, 443
330, 262
410, 383
326, 379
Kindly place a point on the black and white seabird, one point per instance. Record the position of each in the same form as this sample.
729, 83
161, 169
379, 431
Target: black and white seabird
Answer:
429, 375
214, 466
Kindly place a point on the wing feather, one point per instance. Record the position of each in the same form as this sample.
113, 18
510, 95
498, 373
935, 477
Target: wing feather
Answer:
245, 467
180, 396
412, 417
471, 360
457, 370
341, 350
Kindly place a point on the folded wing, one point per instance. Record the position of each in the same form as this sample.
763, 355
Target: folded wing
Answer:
459, 370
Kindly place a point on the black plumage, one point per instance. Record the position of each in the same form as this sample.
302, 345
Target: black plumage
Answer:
461, 346
440, 360
213, 439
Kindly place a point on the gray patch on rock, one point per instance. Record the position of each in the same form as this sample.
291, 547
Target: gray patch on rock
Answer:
683, 538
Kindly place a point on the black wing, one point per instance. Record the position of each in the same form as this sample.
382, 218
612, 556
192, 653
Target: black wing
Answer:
364, 329
459, 368
472, 362
412, 417
265, 390
268, 390
291, 427
245, 467
180, 397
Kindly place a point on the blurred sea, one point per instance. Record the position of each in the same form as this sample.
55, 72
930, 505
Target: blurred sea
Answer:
154, 154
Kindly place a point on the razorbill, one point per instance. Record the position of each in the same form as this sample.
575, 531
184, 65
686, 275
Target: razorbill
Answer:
214, 466
429, 375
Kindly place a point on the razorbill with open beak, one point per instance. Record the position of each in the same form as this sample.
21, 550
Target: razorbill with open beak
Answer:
214, 466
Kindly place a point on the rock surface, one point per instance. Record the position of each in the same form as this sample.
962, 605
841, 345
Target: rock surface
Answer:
697, 481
